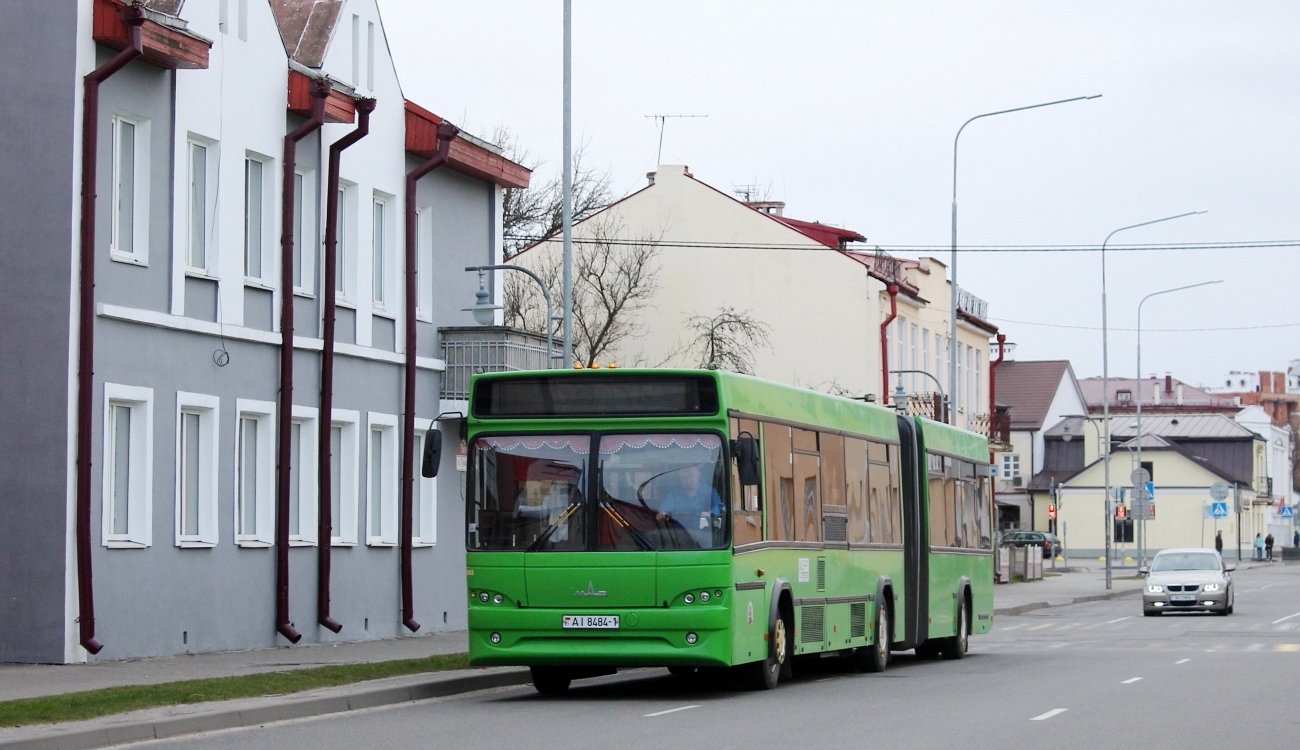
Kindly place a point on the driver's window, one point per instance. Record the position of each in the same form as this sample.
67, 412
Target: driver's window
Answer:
747, 514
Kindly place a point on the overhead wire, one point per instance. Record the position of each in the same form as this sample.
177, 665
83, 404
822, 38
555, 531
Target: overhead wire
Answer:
1151, 247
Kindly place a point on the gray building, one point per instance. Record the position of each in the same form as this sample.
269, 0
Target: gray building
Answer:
160, 491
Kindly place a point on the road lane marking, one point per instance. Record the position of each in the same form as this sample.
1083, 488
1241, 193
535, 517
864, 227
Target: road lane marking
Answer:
1044, 625
1288, 617
1012, 627
1255, 647
1112, 622
1049, 714
671, 711
1130, 680
1060, 645
1071, 625
1287, 647
1182, 661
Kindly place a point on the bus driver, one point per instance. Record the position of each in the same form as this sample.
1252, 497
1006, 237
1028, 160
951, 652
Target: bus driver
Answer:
693, 505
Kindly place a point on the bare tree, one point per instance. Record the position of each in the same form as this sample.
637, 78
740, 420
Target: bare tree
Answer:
728, 339
614, 279
529, 214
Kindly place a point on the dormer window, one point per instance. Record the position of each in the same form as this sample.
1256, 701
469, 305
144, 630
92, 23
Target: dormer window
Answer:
1124, 396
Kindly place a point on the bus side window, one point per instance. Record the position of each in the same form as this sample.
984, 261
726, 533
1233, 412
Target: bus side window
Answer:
855, 479
940, 486
778, 473
982, 514
834, 505
746, 515
807, 475
882, 519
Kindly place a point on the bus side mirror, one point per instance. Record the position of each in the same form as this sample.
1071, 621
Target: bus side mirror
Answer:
432, 452
745, 449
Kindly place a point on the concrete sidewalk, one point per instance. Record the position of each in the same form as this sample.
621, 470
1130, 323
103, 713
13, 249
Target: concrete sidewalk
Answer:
1062, 586
31, 680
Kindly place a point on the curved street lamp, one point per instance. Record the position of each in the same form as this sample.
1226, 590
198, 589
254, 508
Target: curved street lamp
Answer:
485, 312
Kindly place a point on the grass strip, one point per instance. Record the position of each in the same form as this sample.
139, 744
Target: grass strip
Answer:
114, 700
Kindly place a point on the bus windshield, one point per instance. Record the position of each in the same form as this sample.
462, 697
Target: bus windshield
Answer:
653, 492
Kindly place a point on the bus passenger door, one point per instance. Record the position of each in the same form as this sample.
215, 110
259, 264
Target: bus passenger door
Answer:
916, 571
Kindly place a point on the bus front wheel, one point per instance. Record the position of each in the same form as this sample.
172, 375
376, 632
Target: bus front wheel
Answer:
765, 674
955, 646
550, 680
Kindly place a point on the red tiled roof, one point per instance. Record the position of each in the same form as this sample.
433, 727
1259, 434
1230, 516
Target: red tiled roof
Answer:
830, 236
1028, 389
1194, 399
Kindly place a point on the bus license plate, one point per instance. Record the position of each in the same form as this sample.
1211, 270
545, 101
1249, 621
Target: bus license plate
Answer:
1182, 597
591, 622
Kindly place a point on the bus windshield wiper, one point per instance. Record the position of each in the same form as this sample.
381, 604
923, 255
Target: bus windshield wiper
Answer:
560, 519
636, 535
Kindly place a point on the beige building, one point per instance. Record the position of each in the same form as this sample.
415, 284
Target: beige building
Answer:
823, 303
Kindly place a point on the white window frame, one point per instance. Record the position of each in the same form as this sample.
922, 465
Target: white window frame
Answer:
266, 250
305, 464
139, 530
208, 410
306, 235
1009, 465
383, 290
138, 251
210, 249
424, 264
346, 249
349, 463
424, 534
263, 412
388, 495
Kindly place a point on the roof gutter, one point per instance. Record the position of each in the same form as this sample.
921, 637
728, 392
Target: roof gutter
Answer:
284, 412
133, 16
325, 521
446, 134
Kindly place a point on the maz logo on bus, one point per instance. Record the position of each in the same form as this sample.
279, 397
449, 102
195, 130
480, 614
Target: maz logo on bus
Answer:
591, 591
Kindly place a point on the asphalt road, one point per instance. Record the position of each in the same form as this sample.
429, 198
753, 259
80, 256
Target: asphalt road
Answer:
1083, 676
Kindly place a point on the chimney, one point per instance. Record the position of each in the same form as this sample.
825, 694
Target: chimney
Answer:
1279, 382
1180, 394
1169, 384
1155, 391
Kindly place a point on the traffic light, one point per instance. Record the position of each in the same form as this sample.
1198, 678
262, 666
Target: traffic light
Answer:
1151, 511
1121, 512
1051, 511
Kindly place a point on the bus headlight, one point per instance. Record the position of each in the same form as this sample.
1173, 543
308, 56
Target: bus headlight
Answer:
691, 638
483, 596
704, 596
497, 599
689, 598
495, 638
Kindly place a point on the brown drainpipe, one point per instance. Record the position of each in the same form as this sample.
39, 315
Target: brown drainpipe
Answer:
993, 389
324, 517
446, 134
884, 342
284, 415
133, 16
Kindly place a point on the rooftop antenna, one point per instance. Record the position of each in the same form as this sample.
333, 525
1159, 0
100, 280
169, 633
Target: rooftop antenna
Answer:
662, 120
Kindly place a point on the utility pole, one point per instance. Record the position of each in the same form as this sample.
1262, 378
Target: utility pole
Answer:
663, 119
567, 184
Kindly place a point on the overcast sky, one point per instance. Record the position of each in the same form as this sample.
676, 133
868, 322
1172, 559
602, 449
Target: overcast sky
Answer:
847, 111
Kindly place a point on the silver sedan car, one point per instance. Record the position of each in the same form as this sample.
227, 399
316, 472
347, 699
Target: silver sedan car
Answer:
1188, 580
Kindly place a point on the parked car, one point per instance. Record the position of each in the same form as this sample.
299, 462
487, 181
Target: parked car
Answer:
1049, 542
1188, 580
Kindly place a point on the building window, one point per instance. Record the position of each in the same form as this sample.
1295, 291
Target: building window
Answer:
370, 55
197, 249
128, 466
380, 252
344, 428
346, 242
381, 480
130, 191
424, 264
254, 217
302, 477
1010, 465
197, 459
304, 234
424, 507
254, 474
925, 352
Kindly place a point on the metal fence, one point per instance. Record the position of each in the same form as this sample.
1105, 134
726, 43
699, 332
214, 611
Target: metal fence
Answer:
486, 349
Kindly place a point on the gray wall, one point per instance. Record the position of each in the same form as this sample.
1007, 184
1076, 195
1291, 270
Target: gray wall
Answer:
40, 87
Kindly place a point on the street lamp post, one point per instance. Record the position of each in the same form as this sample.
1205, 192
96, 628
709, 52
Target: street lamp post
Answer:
952, 327
566, 187
484, 311
1105, 366
1142, 519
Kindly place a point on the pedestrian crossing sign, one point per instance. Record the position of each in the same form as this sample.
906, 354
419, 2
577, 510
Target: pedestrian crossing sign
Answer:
1286, 512
1219, 509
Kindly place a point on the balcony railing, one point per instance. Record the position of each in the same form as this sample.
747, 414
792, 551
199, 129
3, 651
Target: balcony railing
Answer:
928, 405
996, 426
972, 305
486, 349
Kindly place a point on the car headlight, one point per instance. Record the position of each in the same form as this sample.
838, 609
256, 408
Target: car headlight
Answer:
1213, 586
1154, 589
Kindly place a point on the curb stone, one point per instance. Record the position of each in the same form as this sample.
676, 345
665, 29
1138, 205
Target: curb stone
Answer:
1023, 608
282, 708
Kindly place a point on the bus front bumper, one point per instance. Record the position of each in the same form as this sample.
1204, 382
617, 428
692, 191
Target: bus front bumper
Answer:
648, 637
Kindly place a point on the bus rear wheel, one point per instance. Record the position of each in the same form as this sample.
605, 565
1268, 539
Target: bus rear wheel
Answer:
550, 680
956, 645
875, 658
765, 674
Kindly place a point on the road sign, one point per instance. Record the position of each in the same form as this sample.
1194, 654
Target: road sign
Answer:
1139, 477
1219, 491
1218, 509
1286, 512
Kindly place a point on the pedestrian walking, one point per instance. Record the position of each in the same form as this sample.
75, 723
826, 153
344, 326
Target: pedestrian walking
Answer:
1268, 547
1259, 547
1295, 540
1218, 542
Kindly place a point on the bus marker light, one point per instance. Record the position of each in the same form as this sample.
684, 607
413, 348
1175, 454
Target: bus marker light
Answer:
718, 593
691, 638
761, 572
577, 365
495, 638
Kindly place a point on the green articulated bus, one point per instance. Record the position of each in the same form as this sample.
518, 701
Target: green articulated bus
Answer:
695, 519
